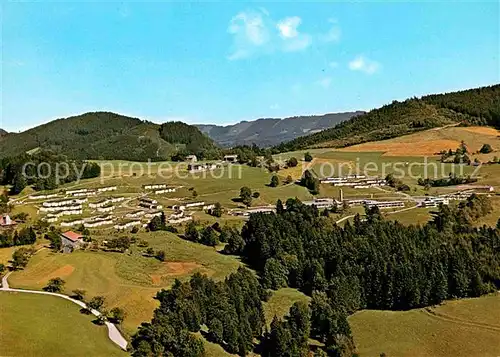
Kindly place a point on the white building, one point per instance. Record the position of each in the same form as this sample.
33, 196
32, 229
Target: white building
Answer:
230, 158
166, 190
154, 186
76, 207
71, 192
42, 197
180, 220
435, 201
105, 209
72, 223
191, 158
135, 214
122, 226
106, 202
107, 189
384, 204
322, 203
153, 214
148, 200
64, 202
98, 223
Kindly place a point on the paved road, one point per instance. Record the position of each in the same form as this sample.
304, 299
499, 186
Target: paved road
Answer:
113, 333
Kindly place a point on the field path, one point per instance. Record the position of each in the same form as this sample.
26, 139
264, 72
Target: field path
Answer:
113, 333
448, 318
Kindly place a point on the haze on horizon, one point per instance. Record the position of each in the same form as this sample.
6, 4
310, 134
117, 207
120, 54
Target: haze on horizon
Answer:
220, 63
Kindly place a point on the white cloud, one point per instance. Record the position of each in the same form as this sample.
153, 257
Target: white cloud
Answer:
274, 106
363, 64
255, 32
325, 82
333, 34
249, 32
288, 26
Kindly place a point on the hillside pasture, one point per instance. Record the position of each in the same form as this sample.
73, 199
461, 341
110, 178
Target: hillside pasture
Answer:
41, 325
461, 328
128, 280
431, 142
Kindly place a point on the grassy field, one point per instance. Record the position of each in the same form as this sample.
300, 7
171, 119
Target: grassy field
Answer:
468, 327
126, 280
37, 325
280, 302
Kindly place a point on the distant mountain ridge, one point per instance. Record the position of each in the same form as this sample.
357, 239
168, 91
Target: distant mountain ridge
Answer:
477, 106
272, 131
109, 136
3, 132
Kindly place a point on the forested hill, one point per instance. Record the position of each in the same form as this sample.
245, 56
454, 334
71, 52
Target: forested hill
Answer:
272, 131
104, 135
480, 106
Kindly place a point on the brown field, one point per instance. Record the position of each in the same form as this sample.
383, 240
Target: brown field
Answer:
430, 142
390, 148
483, 130
62, 272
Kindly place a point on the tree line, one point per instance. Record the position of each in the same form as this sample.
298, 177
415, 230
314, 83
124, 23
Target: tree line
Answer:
44, 170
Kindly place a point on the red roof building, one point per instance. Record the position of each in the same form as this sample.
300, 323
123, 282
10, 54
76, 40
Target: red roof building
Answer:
72, 236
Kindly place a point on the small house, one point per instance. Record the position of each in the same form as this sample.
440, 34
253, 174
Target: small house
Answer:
6, 221
71, 240
191, 158
231, 158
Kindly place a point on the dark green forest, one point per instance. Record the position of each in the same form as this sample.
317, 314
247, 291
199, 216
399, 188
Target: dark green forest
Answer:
44, 170
110, 136
372, 263
480, 106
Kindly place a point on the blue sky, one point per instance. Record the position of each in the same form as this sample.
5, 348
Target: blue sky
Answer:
223, 62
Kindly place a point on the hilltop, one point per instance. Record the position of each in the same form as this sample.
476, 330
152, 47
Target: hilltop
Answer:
480, 106
272, 131
105, 135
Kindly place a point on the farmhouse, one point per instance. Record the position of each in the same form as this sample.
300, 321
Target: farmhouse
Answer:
191, 158
71, 240
231, 158
5, 221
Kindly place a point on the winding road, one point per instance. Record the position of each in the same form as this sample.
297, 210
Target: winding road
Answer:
113, 333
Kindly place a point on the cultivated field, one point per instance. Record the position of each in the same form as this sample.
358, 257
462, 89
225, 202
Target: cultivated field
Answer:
40, 325
128, 280
469, 327
430, 142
